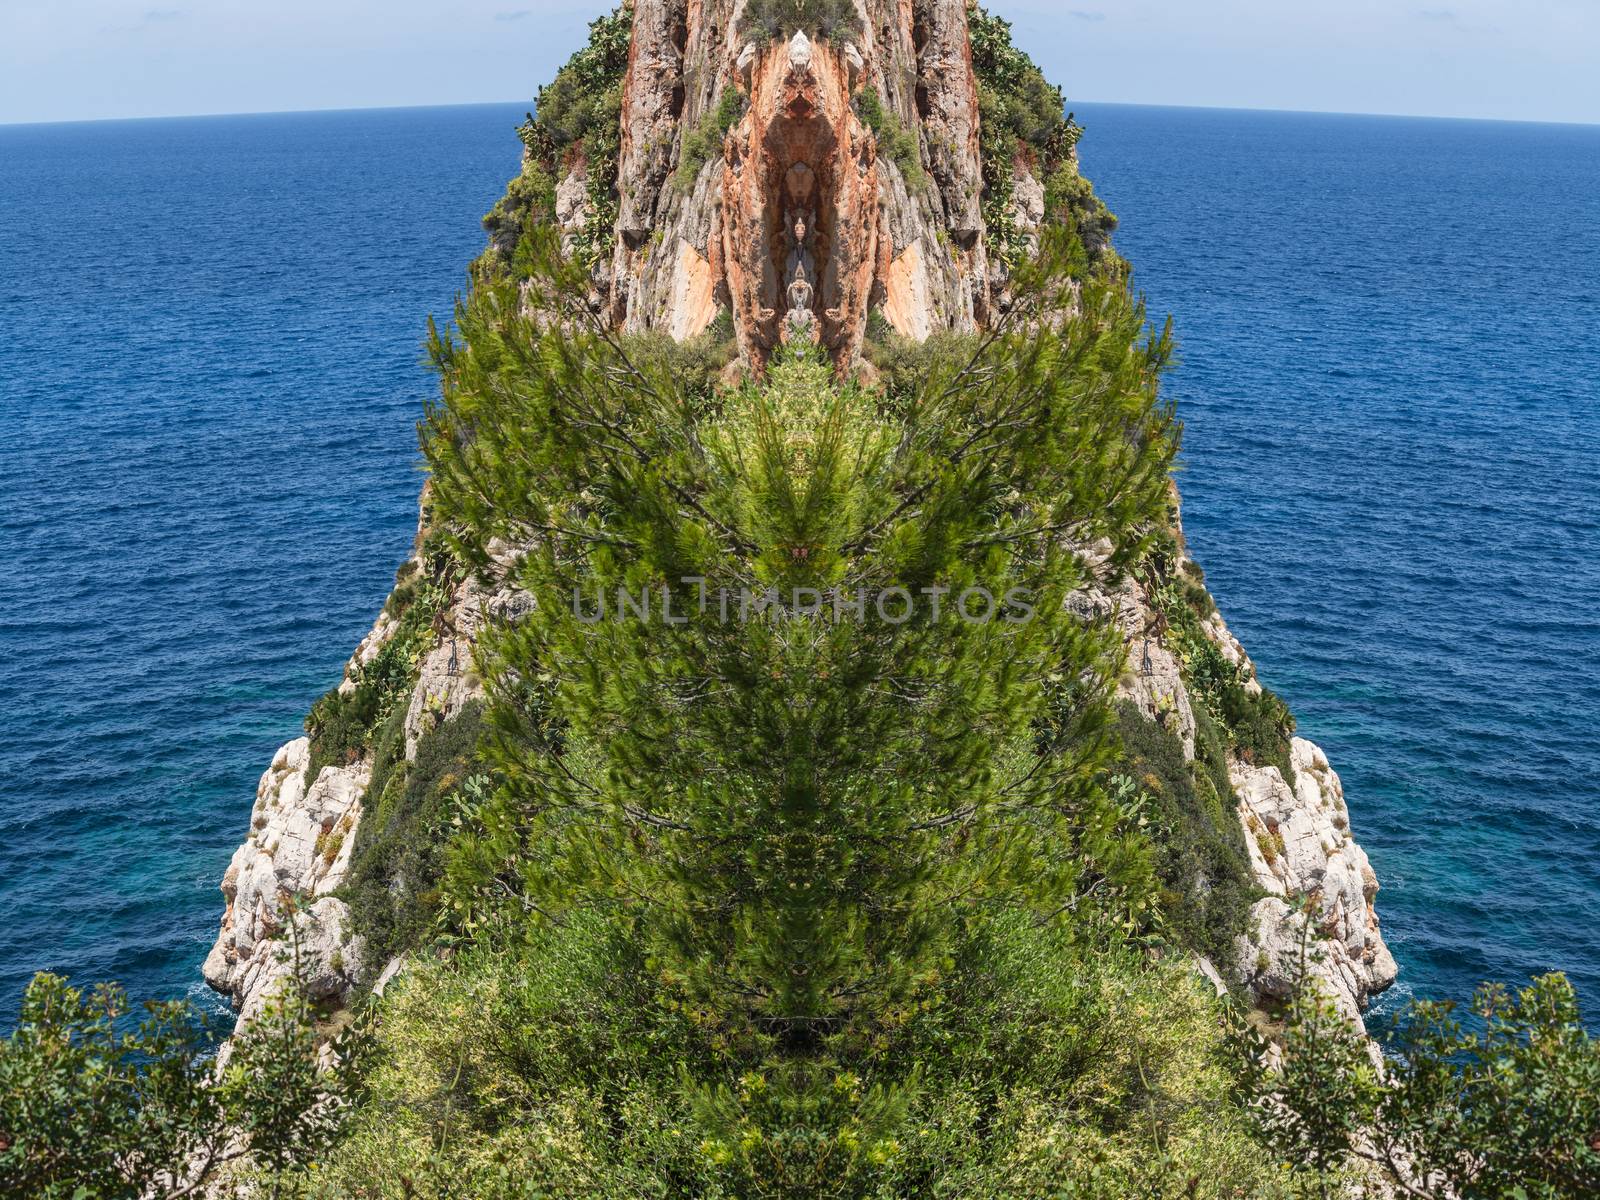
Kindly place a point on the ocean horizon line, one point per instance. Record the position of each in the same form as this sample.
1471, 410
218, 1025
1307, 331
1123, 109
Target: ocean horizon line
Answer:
463, 104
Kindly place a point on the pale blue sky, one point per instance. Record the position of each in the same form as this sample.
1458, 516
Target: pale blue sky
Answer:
84, 59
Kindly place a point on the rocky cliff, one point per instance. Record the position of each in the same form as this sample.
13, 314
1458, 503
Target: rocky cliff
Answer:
804, 181
284, 889
1316, 888
808, 209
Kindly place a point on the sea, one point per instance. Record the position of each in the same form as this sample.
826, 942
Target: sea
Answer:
211, 367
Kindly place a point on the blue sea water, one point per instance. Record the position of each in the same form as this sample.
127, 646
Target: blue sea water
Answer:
211, 368
1390, 380
210, 374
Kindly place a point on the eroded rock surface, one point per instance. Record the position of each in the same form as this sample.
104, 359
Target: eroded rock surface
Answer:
1302, 852
296, 853
795, 222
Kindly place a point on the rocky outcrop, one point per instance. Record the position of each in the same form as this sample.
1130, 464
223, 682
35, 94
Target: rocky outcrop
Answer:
947, 113
750, 181
662, 263
1153, 680
572, 204
795, 222
1319, 915
652, 110
279, 914
446, 682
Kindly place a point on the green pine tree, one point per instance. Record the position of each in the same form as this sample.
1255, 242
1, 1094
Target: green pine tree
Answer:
801, 699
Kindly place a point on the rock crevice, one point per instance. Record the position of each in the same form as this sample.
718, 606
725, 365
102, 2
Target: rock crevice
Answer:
796, 223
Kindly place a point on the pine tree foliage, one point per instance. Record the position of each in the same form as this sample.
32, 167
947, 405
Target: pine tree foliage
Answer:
797, 808
801, 703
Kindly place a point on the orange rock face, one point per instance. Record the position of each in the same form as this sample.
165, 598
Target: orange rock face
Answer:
800, 206
795, 224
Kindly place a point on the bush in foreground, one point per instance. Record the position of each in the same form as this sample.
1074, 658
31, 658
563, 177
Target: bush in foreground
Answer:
90, 1110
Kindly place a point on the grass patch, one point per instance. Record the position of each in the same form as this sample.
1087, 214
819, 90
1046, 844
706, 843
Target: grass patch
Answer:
704, 141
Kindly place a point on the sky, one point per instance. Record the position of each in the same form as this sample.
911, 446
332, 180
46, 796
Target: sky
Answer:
93, 59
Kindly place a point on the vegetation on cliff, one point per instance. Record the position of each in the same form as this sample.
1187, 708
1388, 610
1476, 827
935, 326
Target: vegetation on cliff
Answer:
1023, 121
767, 19
349, 720
788, 902
577, 122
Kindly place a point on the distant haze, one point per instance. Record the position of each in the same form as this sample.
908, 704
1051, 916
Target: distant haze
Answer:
88, 59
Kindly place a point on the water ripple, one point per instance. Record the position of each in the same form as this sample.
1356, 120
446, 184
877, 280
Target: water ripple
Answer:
1391, 426
209, 380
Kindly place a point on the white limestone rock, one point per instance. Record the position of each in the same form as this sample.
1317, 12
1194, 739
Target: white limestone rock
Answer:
1277, 955
297, 851
1153, 676
1302, 852
446, 680
572, 205
323, 949
386, 976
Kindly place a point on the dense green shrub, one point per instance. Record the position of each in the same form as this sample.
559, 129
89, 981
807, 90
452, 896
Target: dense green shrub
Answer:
795, 822
1202, 860
578, 116
798, 483
1052, 1068
1070, 200
1059, 1068
903, 363
547, 1069
1021, 118
1261, 725
530, 200
92, 1111
340, 725
837, 20
697, 363
396, 864
1504, 1108
575, 105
